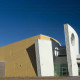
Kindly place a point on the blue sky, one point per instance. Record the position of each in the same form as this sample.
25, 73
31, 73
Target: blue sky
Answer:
21, 19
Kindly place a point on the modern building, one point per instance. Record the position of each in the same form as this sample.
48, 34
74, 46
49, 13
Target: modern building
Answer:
41, 56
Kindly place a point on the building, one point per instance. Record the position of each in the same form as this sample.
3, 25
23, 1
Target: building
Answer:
41, 56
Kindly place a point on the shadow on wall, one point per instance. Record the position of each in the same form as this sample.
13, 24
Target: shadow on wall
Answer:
32, 55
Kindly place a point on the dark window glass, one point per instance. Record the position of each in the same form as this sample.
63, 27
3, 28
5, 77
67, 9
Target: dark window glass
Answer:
61, 70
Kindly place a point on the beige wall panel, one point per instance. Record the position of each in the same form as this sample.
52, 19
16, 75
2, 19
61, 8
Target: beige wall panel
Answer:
18, 62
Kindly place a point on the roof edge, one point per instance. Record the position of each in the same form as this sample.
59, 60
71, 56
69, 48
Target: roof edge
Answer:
52, 39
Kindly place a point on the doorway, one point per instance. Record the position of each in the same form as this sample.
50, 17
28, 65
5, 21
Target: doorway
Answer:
2, 68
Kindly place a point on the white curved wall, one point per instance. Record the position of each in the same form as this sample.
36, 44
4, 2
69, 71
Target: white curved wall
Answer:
72, 49
44, 57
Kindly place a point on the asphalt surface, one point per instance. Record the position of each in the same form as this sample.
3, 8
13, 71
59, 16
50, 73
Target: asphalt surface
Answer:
54, 78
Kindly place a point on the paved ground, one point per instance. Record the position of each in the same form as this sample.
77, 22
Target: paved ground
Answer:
56, 78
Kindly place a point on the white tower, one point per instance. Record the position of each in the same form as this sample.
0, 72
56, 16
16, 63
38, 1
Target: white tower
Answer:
72, 49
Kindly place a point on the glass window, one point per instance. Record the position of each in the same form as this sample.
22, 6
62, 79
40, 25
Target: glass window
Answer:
60, 70
79, 69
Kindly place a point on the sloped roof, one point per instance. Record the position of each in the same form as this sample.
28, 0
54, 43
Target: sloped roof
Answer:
40, 36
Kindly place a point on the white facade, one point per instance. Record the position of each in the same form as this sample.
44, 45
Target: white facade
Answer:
72, 49
44, 57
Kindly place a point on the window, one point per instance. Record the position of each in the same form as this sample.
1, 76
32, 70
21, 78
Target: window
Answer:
72, 39
60, 70
79, 69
